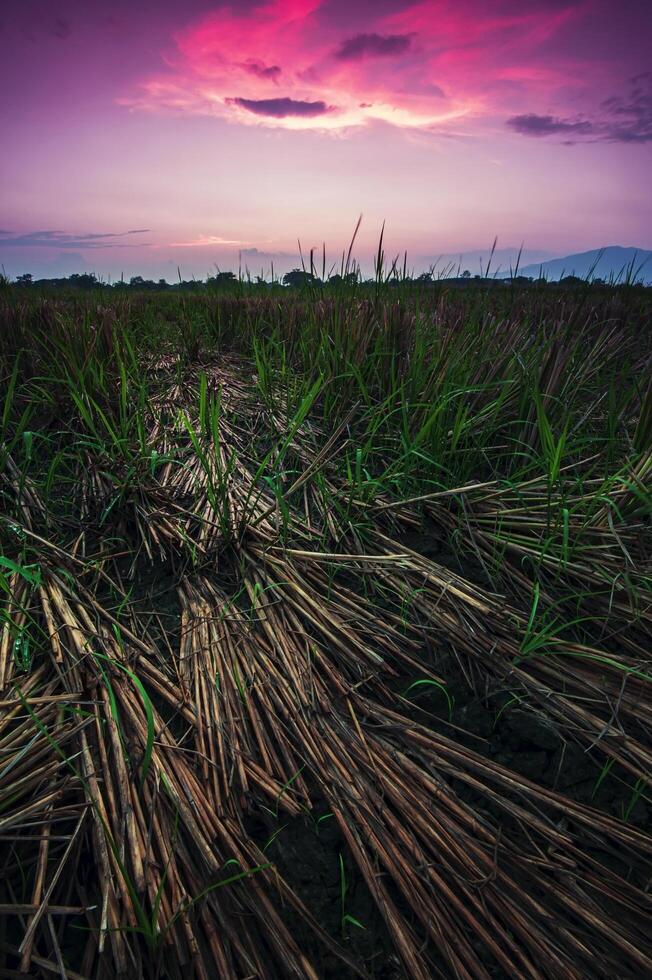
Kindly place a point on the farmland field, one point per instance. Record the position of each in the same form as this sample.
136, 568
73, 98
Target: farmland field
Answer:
326, 622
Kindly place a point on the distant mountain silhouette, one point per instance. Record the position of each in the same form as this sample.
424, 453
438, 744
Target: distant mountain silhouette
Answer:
499, 260
610, 263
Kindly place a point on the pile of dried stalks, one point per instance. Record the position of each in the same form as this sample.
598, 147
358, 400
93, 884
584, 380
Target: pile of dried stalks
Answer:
132, 754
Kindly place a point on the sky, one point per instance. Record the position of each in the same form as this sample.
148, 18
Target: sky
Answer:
146, 136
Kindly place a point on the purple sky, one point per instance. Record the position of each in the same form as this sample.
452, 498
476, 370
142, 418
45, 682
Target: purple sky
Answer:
142, 136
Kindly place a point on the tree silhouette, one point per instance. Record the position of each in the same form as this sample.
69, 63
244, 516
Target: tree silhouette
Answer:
350, 279
299, 277
222, 279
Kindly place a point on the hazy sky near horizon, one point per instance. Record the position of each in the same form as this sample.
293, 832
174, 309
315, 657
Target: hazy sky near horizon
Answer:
145, 134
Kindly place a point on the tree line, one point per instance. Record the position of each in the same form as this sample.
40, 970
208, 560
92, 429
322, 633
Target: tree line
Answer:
295, 279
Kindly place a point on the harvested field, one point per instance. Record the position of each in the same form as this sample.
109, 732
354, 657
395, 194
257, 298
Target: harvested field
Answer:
325, 641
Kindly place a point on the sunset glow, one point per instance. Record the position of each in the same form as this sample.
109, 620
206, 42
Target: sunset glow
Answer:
231, 130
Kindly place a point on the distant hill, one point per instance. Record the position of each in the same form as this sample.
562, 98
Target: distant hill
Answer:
502, 260
610, 263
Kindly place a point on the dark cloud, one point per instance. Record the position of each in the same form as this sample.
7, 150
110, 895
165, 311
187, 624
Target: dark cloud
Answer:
280, 108
256, 68
630, 118
530, 124
258, 253
621, 119
60, 239
372, 46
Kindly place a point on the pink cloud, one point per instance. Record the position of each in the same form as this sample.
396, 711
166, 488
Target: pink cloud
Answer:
203, 241
226, 63
427, 65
